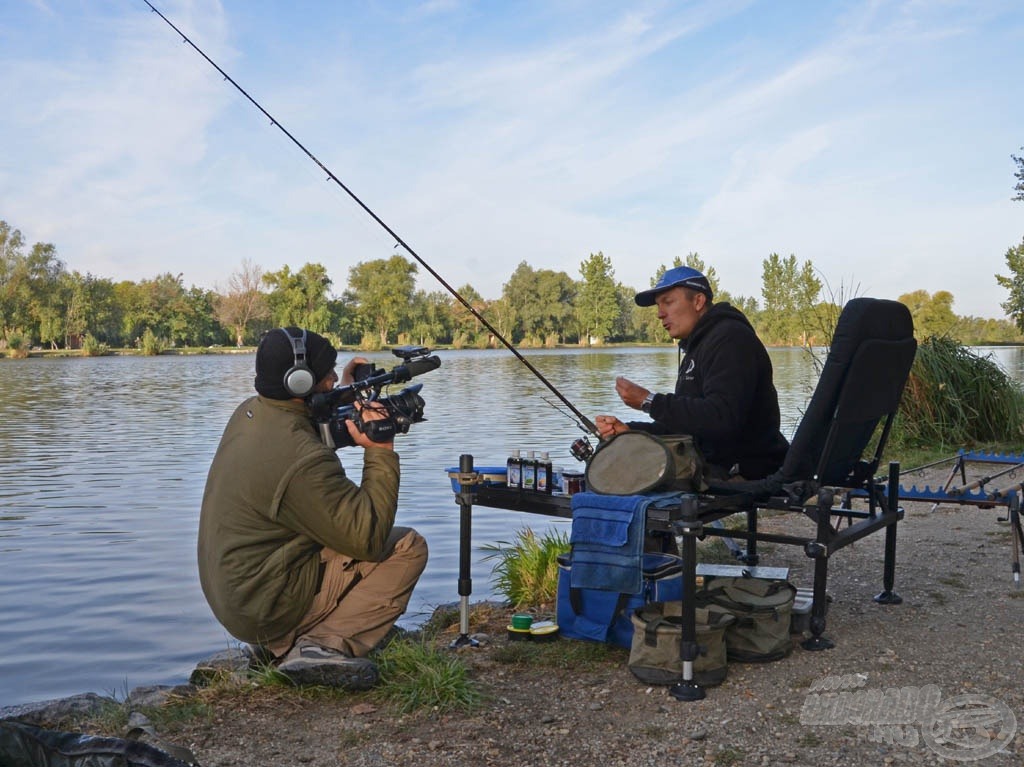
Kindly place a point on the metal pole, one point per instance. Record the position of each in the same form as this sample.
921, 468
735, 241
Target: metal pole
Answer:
686, 531
465, 497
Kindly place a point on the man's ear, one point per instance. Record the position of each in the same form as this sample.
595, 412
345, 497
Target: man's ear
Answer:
700, 301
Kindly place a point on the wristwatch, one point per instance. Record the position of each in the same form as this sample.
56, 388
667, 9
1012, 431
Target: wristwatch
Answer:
648, 401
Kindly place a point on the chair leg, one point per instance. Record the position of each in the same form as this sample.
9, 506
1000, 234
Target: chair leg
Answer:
888, 596
1018, 535
818, 550
818, 607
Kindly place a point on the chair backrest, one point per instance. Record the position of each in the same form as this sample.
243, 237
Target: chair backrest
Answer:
861, 384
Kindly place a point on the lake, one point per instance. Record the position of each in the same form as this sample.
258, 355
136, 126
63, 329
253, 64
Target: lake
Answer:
103, 466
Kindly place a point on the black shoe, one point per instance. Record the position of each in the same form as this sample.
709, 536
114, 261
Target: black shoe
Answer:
311, 664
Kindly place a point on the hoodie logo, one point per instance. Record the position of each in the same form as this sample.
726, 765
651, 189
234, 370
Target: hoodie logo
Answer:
688, 373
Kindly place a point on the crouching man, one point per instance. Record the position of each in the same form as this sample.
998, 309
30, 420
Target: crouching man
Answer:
294, 557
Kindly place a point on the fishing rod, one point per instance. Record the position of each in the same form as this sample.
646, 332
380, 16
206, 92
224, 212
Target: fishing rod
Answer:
583, 420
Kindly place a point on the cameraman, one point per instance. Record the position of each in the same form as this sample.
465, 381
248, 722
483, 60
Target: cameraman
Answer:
294, 556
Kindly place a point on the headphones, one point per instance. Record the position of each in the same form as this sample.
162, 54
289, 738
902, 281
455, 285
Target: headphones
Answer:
299, 380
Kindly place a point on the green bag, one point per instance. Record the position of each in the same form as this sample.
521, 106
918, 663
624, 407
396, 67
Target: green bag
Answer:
657, 634
636, 462
762, 609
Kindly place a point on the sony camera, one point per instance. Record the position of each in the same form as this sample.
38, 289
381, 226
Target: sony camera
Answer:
331, 409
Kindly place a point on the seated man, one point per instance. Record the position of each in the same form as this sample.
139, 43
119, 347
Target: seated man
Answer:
724, 395
294, 556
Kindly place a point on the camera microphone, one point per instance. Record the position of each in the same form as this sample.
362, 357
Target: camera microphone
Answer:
413, 368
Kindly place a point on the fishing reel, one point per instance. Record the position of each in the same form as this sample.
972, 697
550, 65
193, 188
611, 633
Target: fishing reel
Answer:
330, 410
582, 450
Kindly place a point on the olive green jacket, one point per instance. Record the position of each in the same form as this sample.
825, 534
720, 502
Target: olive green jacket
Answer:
275, 496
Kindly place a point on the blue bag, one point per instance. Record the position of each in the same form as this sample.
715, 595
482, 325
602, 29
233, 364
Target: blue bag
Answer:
607, 575
597, 615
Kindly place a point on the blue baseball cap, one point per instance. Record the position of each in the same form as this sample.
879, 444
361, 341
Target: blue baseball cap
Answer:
680, 277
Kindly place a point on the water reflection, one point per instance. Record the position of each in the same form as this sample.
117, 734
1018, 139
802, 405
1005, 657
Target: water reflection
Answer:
104, 465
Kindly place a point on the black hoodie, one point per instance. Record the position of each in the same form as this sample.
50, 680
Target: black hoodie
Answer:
724, 396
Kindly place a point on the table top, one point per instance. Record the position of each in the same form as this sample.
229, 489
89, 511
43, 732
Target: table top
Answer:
514, 499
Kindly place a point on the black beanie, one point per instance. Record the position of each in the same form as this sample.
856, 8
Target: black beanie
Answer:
276, 356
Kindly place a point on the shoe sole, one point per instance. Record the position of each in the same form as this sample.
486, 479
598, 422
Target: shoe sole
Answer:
351, 676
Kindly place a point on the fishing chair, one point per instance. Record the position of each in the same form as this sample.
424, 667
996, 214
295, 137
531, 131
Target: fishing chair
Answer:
834, 456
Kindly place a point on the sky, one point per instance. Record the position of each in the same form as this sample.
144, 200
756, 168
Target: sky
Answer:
873, 139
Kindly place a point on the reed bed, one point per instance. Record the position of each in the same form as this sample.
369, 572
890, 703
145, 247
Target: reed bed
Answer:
955, 398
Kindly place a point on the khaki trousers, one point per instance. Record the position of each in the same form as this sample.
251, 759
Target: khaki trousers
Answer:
359, 601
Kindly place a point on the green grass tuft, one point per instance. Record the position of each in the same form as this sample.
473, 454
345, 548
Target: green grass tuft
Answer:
416, 675
526, 572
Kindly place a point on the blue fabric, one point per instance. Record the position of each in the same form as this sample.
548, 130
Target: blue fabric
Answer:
604, 616
607, 539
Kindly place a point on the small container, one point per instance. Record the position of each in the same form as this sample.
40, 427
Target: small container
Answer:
518, 635
544, 470
530, 471
557, 483
514, 470
574, 482
522, 621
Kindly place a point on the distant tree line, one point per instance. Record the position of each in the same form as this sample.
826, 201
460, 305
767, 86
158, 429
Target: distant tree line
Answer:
42, 303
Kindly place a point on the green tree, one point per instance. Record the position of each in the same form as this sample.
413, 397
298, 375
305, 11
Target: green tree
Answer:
464, 323
381, 292
628, 321
30, 298
777, 277
1014, 304
93, 307
542, 300
790, 294
502, 316
12, 243
163, 308
300, 298
597, 305
932, 314
430, 320
243, 304
201, 327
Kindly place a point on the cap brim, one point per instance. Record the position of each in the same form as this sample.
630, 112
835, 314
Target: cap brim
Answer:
647, 297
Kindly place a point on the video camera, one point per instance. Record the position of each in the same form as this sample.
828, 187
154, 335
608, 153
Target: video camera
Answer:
331, 409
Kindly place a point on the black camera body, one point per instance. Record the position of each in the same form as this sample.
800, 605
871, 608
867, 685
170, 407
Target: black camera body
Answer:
330, 410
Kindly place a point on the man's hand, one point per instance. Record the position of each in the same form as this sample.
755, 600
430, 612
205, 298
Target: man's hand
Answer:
630, 393
372, 411
608, 426
348, 373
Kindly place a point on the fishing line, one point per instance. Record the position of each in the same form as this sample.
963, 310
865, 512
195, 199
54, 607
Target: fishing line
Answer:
398, 240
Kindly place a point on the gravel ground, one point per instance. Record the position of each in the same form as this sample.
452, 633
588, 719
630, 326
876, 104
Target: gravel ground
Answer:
958, 633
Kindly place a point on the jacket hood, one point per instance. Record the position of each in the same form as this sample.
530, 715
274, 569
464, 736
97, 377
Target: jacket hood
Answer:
720, 312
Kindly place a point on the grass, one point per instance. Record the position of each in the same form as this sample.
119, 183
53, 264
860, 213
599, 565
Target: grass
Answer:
955, 398
560, 655
417, 675
526, 571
